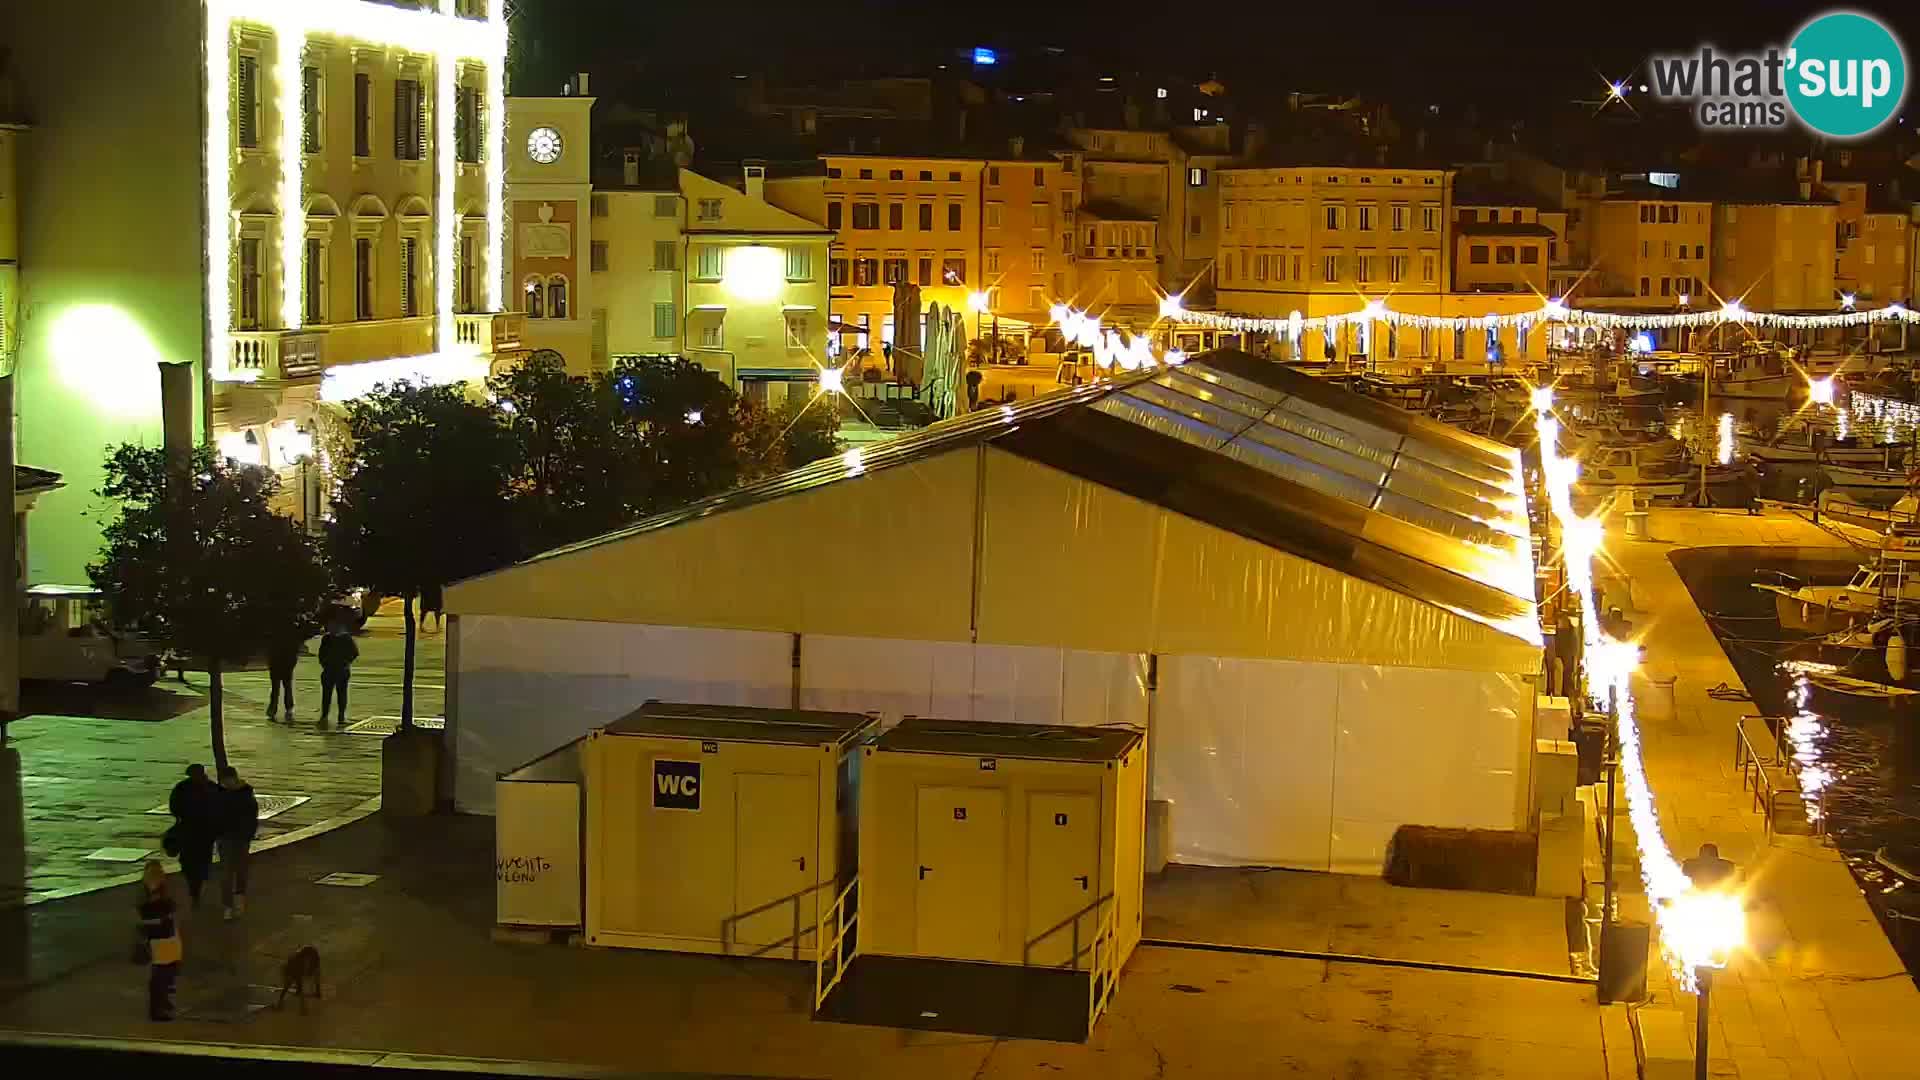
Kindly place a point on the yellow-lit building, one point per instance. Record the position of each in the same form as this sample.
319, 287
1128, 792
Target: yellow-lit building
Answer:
328, 217
1775, 251
1871, 239
893, 220
1027, 257
1650, 249
638, 264
756, 288
1500, 243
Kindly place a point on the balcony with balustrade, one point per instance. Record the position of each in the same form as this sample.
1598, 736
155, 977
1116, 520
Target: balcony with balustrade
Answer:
278, 356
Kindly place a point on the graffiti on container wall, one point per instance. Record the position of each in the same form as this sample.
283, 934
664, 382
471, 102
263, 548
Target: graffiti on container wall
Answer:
519, 869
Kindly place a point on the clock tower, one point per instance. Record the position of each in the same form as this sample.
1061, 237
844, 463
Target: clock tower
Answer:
550, 221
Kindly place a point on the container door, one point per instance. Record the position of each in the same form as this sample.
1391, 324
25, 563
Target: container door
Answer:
1063, 879
775, 853
960, 894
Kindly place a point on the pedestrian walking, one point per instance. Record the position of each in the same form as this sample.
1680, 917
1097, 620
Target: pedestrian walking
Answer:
157, 941
337, 654
194, 805
239, 821
432, 605
283, 655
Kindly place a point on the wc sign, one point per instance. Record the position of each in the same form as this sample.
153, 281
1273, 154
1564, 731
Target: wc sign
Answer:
676, 784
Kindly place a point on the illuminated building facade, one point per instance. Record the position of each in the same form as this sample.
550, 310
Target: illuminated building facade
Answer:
755, 287
551, 240
327, 217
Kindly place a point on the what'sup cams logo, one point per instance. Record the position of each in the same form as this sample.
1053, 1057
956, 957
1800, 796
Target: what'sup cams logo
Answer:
1843, 76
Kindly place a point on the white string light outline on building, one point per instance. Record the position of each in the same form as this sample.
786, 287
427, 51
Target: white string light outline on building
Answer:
442, 35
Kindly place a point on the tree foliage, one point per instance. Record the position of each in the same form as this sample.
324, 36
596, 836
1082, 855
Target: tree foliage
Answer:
772, 441
209, 569
423, 497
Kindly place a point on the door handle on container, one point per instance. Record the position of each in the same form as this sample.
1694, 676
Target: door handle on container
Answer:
802, 860
923, 872
1082, 879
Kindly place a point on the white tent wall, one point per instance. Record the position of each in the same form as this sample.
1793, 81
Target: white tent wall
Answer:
1313, 766
522, 686
957, 681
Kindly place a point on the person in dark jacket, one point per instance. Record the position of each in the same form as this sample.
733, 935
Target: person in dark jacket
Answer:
337, 654
195, 826
433, 606
162, 938
283, 655
239, 820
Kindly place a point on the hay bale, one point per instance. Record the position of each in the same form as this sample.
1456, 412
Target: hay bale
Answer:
1479, 860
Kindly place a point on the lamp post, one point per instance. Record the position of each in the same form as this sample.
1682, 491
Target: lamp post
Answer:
980, 302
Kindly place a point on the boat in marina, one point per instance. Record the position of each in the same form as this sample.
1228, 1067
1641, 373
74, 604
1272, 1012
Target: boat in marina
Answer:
1850, 477
1406, 391
1827, 609
1807, 444
1655, 469
1765, 373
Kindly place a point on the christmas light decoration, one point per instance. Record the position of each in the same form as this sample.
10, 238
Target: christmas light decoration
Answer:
1725, 454
348, 381
440, 34
1698, 930
1293, 324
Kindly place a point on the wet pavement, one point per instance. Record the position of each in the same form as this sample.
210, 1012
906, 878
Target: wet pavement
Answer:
92, 764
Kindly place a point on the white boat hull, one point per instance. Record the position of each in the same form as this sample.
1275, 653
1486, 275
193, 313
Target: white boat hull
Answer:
1865, 478
1769, 387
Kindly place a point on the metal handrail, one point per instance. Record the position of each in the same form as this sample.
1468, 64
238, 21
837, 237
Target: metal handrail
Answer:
1771, 775
843, 915
1102, 970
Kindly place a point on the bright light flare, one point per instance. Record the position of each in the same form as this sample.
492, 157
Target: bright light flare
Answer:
1541, 398
833, 380
978, 301
1820, 391
1702, 929
1170, 306
1725, 453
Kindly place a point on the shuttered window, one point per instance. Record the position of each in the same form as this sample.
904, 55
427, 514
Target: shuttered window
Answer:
663, 322
466, 124
409, 262
310, 110
409, 121
363, 278
249, 283
313, 283
246, 100
362, 115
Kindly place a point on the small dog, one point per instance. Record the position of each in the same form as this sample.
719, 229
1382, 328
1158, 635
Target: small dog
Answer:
303, 965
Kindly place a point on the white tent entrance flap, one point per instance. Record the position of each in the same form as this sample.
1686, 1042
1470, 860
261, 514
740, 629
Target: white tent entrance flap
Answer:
1314, 766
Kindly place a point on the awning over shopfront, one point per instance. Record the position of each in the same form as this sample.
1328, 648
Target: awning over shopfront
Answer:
1228, 507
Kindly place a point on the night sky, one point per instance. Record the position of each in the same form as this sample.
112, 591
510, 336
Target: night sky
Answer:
1487, 53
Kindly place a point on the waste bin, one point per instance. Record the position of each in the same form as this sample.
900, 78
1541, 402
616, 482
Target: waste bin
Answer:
1637, 525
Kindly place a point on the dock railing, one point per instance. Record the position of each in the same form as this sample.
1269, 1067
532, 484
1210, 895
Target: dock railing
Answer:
1766, 769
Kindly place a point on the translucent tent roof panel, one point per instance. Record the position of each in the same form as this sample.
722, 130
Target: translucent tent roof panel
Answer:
1257, 449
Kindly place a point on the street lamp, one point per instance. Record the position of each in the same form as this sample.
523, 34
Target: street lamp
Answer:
980, 301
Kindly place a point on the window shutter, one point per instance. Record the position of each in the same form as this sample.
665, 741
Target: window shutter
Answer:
310, 109
402, 110
406, 277
246, 93
419, 122
362, 114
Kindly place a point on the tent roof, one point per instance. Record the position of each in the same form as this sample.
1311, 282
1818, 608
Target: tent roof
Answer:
1253, 448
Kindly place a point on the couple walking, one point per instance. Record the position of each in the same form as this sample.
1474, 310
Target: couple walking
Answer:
210, 817
337, 654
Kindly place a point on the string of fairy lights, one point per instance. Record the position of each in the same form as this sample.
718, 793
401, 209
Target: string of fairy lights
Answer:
1698, 929
1295, 323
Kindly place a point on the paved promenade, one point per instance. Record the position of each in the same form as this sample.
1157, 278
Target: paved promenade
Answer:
1821, 994
92, 763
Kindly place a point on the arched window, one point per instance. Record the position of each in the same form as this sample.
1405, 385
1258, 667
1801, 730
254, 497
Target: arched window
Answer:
536, 301
557, 297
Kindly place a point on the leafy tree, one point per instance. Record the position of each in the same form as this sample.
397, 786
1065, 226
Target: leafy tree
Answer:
206, 567
688, 425
423, 497
583, 460
772, 441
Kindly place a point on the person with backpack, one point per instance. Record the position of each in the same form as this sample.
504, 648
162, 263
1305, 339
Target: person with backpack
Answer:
337, 654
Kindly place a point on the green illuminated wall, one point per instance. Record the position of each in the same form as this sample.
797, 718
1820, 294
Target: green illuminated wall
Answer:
110, 239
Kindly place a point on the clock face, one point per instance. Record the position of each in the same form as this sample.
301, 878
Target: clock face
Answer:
543, 145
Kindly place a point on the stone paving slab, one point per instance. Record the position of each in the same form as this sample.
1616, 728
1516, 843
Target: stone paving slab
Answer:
1822, 991
93, 764
410, 968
